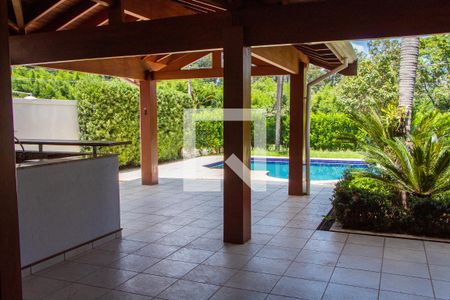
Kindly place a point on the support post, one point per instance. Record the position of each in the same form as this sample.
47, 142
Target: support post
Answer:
237, 139
149, 132
10, 273
116, 12
297, 132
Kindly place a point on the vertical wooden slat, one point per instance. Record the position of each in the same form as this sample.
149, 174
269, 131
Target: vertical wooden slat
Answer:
237, 139
116, 12
297, 131
10, 274
149, 132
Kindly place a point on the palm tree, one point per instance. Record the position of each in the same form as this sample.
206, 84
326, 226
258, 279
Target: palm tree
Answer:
409, 53
278, 112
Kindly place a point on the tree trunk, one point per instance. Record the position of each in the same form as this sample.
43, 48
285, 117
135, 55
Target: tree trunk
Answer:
409, 54
278, 112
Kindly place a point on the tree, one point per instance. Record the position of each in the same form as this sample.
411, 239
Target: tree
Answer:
409, 53
433, 82
280, 80
376, 84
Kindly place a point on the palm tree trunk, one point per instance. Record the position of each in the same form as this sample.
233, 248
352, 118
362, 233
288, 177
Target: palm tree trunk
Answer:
409, 54
278, 112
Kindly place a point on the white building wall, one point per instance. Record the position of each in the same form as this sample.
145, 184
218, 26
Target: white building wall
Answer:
46, 119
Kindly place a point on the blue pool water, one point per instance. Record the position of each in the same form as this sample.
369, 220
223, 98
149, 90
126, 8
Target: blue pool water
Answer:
320, 169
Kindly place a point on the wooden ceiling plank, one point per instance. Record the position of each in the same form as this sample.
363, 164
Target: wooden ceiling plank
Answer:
18, 12
283, 57
70, 16
284, 24
44, 8
156, 9
129, 67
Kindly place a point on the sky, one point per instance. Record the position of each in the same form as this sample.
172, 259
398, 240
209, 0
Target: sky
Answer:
360, 46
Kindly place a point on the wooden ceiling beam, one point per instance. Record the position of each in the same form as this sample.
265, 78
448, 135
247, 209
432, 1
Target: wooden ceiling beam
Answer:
284, 24
129, 67
18, 12
283, 57
212, 73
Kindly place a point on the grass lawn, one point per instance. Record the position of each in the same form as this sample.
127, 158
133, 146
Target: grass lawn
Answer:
315, 154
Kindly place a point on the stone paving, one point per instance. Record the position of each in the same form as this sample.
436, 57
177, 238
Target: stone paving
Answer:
172, 248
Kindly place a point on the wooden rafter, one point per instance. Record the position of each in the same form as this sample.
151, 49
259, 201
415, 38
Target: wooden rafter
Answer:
18, 12
296, 23
13, 25
45, 7
184, 60
116, 12
70, 16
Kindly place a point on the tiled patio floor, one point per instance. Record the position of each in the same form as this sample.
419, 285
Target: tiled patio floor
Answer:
172, 249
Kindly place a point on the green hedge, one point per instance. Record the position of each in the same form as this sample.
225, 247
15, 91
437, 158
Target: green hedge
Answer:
329, 131
109, 110
363, 204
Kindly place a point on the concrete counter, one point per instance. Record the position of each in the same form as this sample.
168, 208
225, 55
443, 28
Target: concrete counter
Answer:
64, 203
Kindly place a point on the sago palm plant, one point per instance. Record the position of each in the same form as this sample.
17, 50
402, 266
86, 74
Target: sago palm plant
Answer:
418, 164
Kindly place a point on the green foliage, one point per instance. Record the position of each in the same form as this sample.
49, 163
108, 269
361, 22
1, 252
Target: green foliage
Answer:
43, 83
108, 110
377, 82
433, 81
324, 100
328, 131
171, 105
365, 204
418, 164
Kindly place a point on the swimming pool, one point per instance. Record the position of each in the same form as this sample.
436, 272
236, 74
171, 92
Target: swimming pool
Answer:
320, 169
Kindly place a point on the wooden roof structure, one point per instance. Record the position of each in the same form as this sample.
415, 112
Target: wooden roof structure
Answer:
30, 17
150, 40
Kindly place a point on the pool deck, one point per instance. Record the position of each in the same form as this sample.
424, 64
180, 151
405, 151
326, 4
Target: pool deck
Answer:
171, 248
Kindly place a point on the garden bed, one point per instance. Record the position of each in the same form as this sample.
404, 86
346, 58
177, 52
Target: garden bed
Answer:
337, 227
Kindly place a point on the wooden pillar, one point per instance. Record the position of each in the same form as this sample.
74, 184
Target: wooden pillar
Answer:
297, 131
149, 132
237, 139
10, 273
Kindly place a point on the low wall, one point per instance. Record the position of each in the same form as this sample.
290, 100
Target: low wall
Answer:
66, 203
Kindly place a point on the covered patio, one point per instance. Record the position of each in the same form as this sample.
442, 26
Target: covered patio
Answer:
172, 248
231, 244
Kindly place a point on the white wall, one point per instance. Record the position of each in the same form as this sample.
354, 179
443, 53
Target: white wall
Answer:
46, 119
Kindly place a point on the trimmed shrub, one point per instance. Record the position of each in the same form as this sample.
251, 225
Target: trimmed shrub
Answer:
109, 110
364, 204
